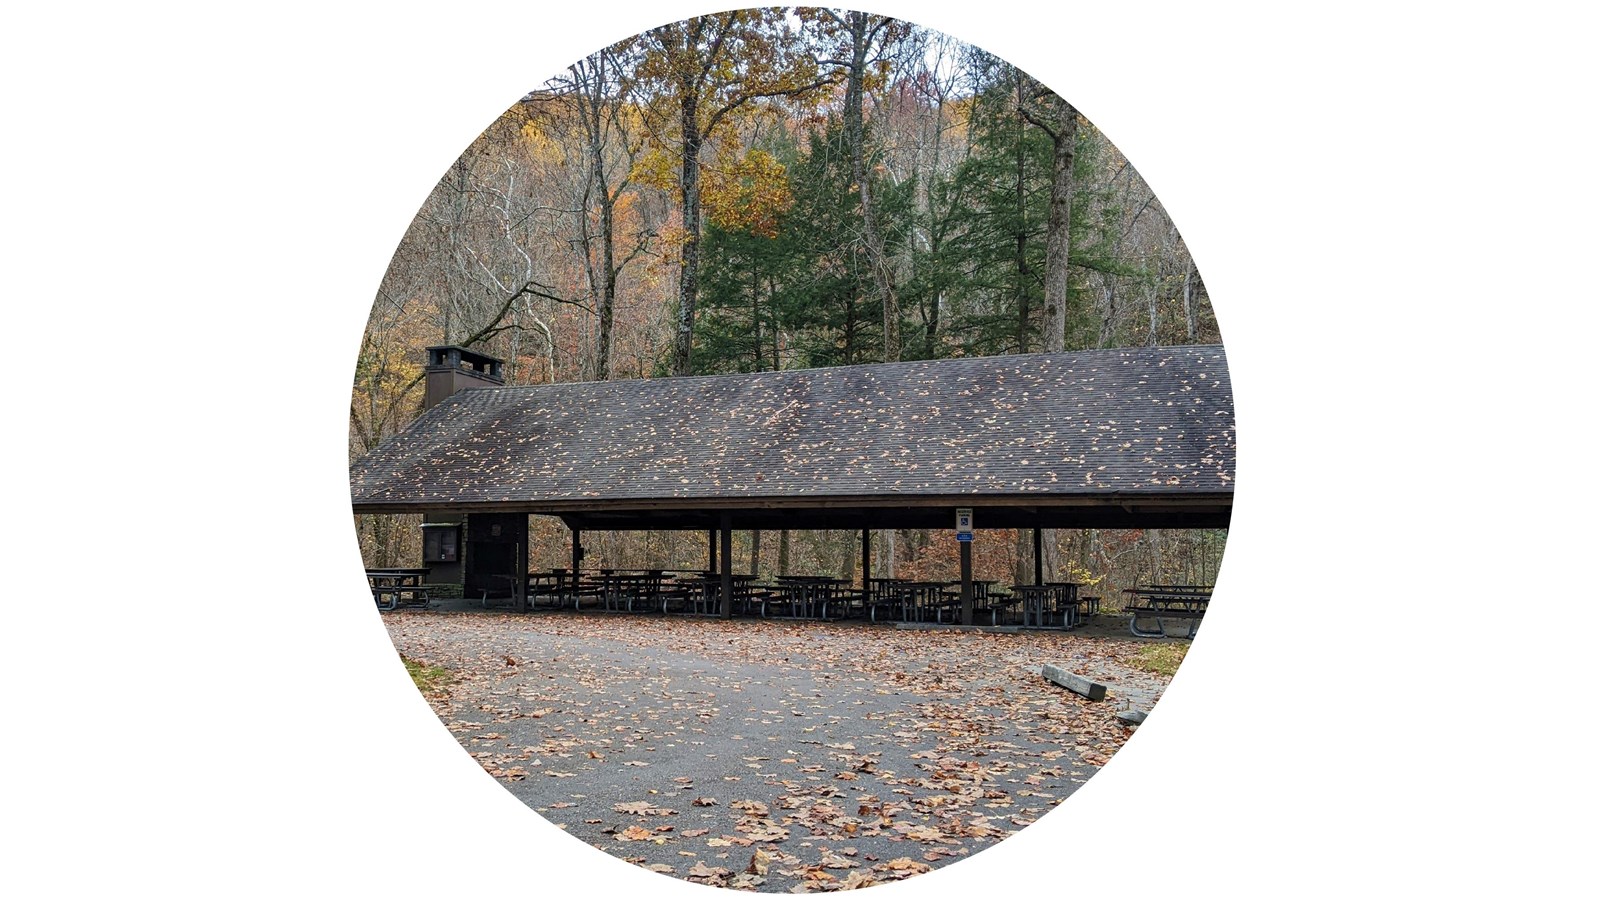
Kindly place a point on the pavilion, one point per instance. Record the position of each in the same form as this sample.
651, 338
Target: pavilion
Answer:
1127, 438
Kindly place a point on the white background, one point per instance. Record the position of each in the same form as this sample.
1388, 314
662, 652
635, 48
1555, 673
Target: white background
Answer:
1392, 209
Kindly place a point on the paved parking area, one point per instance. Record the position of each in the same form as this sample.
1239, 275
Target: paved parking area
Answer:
775, 756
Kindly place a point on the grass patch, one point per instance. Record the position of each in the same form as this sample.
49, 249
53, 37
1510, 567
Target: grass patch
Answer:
1162, 659
428, 679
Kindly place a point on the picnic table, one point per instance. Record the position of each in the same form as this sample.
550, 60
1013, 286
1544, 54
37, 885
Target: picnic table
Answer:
393, 586
1042, 603
620, 588
911, 601
807, 596
1166, 601
702, 594
949, 599
1086, 606
505, 589
558, 585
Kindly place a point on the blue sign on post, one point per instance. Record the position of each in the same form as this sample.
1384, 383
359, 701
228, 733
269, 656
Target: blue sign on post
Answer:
963, 524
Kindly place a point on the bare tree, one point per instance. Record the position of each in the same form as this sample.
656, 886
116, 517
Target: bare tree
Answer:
593, 95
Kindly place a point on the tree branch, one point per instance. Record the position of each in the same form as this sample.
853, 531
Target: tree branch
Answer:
1026, 113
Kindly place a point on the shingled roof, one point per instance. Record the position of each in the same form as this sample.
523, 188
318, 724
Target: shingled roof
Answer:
1056, 435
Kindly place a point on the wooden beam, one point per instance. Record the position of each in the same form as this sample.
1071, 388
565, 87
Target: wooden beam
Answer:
1151, 500
1075, 683
878, 519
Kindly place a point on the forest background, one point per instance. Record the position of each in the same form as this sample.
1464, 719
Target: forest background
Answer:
776, 189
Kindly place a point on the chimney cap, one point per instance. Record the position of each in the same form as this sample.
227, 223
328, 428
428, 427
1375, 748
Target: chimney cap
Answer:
452, 368
438, 354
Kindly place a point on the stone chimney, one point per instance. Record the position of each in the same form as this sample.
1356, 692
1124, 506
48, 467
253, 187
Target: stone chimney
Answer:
452, 369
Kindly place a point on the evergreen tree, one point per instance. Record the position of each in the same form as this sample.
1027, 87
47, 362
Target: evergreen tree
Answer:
993, 262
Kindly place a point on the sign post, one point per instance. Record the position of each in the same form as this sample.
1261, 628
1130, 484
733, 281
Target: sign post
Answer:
964, 535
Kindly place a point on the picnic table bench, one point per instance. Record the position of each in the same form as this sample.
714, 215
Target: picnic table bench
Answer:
1001, 603
392, 587
1166, 601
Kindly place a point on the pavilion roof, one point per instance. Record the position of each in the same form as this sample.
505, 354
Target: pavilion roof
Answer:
1130, 425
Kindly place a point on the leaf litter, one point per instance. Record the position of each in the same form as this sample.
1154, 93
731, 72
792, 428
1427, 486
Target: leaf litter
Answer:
879, 754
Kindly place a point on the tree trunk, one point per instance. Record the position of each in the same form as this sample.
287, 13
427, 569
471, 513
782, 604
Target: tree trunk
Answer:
934, 235
589, 82
1050, 550
1020, 267
608, 284
1190, 325
1153, 295
1057, 260
689, 265
772, 303
1022, 571
855, 136
1058, 230
1108, 312
758, 359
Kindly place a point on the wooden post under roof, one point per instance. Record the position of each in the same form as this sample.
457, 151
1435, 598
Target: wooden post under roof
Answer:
577, 556
519, 575
866, 561
966, 582
711, 551
727, 567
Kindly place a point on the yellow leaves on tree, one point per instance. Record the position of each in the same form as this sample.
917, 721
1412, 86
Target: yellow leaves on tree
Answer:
747, 194
540, 143
656, 167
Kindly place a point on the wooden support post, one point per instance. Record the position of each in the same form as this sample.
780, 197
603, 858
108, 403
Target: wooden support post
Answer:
711, 551
727, 566
577, 556
966, 582
519, 574
866, 561
1038, 556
